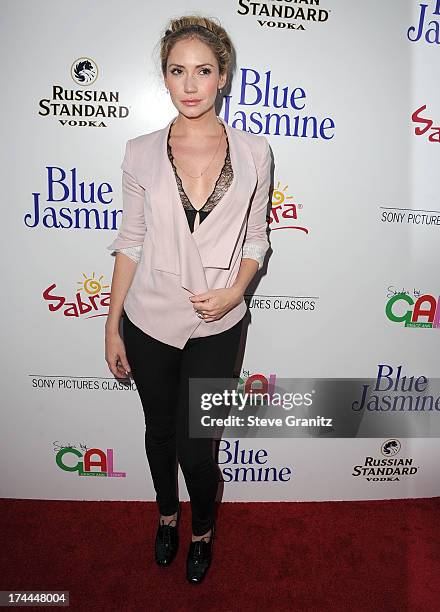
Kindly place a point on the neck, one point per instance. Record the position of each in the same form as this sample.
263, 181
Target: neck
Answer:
197, 126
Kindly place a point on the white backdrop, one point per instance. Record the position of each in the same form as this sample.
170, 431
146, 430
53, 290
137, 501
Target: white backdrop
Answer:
361, 194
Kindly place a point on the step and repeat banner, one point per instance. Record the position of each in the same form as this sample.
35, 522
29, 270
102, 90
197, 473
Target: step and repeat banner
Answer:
347, 95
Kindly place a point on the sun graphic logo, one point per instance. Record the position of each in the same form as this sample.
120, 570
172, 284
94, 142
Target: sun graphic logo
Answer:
284, 212
84, 71
92, 285
92, 298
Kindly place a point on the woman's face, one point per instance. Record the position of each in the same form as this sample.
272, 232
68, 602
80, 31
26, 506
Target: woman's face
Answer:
193, 74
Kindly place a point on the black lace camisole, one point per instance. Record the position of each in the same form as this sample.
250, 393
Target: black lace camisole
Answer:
221, 186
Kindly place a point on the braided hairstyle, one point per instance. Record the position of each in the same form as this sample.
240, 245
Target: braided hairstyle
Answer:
205, 29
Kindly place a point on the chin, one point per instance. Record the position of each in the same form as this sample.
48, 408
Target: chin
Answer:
192, 111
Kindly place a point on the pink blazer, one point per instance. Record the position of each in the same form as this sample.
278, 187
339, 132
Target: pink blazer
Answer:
176, 263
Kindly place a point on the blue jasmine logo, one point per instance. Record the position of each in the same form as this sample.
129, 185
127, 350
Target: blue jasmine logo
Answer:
73, 204
394, 392
426, 29
271, 108
248, 465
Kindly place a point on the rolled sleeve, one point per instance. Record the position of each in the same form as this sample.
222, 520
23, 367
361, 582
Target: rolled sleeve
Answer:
132, 229
133, 252
254, 251
256, 242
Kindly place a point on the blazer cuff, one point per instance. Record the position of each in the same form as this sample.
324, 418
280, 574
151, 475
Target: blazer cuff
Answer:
254, 251
133, 252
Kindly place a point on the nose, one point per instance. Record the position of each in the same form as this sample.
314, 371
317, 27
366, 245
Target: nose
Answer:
190, 85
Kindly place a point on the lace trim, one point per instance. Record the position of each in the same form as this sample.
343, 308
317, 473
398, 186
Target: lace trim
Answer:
250, 250
221, 186
254, 251
133, 252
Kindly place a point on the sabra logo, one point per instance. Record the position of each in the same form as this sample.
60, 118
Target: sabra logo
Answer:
284, 212
423, 312
434, 134
72, 460
428, 30
93, 303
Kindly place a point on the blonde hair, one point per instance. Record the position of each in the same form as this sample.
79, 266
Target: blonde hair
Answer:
205, 29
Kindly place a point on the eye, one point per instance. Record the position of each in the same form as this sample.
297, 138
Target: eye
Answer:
205, 71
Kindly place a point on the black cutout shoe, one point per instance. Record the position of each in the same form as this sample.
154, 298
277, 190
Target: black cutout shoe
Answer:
199, 559
167, 542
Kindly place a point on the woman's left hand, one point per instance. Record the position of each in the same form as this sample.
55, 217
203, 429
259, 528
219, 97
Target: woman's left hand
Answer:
214, 304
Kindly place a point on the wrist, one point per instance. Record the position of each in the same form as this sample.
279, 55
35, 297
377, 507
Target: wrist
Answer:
111, 327
237, 290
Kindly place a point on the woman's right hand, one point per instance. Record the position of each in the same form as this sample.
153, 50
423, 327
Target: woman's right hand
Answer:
115, 355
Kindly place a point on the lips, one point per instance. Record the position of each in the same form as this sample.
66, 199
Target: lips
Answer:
192, 101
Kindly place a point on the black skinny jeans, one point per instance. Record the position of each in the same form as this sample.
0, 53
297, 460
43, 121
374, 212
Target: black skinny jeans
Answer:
161, 373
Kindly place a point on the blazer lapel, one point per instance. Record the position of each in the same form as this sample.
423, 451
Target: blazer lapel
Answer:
175, 249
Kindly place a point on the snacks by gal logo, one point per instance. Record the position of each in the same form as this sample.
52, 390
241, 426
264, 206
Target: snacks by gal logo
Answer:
92, 462
256, 383
284, 211
90, 300
423, 311
426, 28
425, 125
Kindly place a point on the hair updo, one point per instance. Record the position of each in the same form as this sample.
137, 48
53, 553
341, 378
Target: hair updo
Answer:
206, 30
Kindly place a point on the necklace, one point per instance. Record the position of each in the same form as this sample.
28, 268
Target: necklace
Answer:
213, 157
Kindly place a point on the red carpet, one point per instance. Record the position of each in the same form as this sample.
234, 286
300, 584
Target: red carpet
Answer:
340, 556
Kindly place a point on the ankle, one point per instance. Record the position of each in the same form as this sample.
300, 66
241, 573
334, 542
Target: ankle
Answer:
170, 519
205, 537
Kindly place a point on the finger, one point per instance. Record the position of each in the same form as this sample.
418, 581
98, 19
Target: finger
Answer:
114, 370
201, 305
201, 296
202, 310
124, 362
118, 369
212, 312
205, 313
123, 371
209, 315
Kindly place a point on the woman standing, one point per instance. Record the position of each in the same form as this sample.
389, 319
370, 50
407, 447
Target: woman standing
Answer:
192, 236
